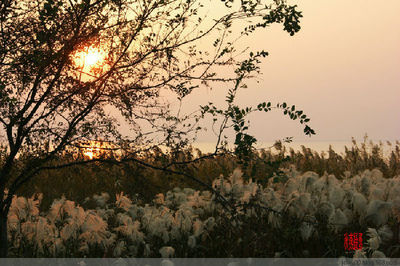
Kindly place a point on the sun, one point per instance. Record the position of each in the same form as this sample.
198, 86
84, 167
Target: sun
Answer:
89, 60
92, 151
89, 154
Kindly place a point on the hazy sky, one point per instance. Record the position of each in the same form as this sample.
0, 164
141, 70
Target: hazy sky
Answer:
342, 69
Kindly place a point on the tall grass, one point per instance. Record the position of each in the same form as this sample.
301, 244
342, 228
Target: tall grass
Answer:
358, 157
80, 182
305, 216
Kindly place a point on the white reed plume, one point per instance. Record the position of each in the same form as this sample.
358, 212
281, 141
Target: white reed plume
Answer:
197, 200
326, 209
93, 229
376, 193
385, 233
365, 186
179, 198
69, 230
349, 214
290, 187
332, 181
310, 178
319, 184
338, 220
396, 208
28, 230
246, 197
105, 213
226, 188
359, 203
376, 175
78, 215
101, 200
253, 187
236, 177
19, 208
394, 189
167, 252
336, 195
92, 237
156, 226
238, 191
167, 216
366, 174
355, 181
119, 249
129, 228
374, 239
44, 229
123, 201
359, 254
268, 195
56, 211
304, 201
188, 191
347, 202
299, 204
378, 212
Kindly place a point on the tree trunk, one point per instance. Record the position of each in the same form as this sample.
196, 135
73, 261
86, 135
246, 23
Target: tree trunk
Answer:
3, 235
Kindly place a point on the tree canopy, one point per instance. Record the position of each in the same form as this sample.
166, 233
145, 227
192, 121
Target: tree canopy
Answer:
48, 101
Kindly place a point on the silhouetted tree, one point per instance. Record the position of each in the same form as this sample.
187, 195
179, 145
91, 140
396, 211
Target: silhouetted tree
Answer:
48, 101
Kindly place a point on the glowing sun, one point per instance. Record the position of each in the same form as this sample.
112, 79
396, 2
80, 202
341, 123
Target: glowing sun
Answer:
91, 153
89, 59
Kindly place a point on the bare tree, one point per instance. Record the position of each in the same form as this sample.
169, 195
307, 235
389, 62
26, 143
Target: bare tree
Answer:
48, 100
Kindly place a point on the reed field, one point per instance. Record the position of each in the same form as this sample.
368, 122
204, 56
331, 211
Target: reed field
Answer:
282, 204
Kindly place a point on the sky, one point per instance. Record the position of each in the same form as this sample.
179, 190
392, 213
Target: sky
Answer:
342, 69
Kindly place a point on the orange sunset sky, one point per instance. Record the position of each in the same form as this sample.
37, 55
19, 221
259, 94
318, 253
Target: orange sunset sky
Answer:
342, 69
